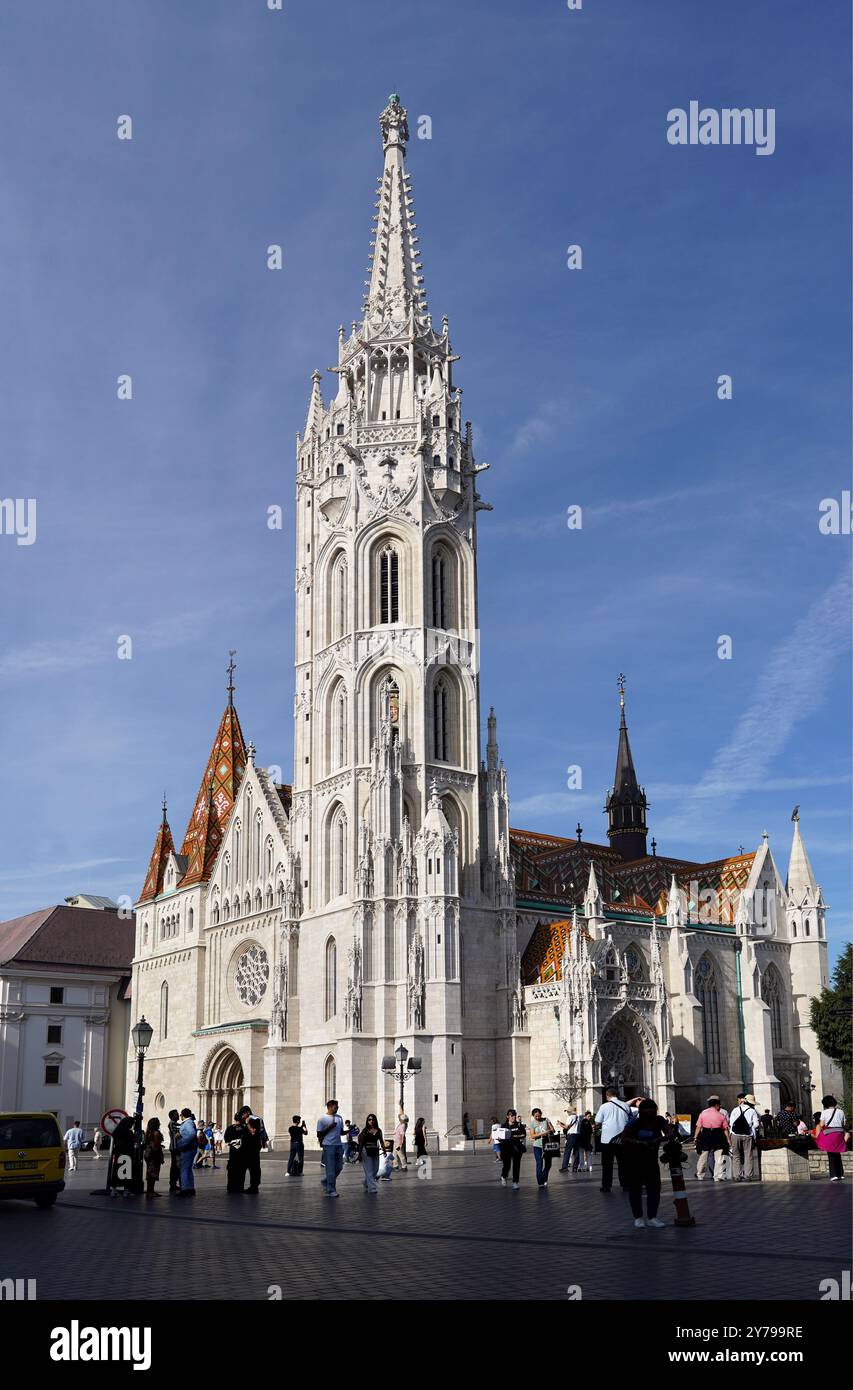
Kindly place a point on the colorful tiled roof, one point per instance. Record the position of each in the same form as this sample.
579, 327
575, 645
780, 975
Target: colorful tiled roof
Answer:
163, 847
215, 799
543, 956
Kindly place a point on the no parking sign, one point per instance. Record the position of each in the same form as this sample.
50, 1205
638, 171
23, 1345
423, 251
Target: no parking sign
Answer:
110, 1119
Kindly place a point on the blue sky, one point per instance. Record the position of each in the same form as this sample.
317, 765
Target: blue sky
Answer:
594, 388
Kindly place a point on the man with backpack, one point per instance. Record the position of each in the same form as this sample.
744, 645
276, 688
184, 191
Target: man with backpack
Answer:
613, 1116
744, 1124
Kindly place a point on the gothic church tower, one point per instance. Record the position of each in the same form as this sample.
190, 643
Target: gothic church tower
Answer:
407, 931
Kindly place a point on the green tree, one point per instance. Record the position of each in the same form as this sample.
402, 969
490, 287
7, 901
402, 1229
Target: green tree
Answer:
831, 1020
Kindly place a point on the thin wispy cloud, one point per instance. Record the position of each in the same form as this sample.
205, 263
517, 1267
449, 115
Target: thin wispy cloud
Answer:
792, 687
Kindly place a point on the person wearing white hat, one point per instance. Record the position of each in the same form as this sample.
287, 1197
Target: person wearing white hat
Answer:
745, 1126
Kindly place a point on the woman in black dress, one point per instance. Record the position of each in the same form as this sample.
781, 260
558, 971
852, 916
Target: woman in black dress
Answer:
512, 1147
420, 1137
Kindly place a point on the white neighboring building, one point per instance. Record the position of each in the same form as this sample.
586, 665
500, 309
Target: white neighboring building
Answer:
300, 933
64, 1012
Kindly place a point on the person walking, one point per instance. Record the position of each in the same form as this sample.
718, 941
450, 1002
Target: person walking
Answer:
370, 1144
513, 1135
613, 1116
420, 1137
210, 1144
254, 1137
569, 1127
582, 1160
745, 1126
152, 1153
640, 1141
296, 1160
174, 1158
235, 1168
495, 1138
712, 1137
540, 1128
352, 1132
187, 1151
329, 1130
97, 1140
400, 1141
833, 1136
73, 1143
766, 1121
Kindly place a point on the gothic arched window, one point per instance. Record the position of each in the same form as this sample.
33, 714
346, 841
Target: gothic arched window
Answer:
773, 994
705, 988
164, 1010
331, 978
389, 586
330, 1078
440, 704
339, 727
338, 596
336, 853
440, 607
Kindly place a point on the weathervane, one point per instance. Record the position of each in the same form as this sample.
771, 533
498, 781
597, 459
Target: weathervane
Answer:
230, 669
620, 681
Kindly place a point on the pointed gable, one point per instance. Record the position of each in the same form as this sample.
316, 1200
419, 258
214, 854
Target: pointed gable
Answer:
215, 799
163, 848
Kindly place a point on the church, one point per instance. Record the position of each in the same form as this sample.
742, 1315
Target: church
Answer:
301, 933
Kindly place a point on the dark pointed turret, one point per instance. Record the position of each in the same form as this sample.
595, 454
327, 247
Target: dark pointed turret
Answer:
626, 805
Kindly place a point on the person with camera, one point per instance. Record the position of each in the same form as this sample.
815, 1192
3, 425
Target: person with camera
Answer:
253, 1140
512, 1136
296, 1160
235, 1170
639, 1166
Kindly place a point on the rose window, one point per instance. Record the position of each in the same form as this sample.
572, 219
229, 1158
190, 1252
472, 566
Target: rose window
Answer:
252, 976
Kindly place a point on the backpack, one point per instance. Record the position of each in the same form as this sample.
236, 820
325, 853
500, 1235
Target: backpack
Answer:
741, 1124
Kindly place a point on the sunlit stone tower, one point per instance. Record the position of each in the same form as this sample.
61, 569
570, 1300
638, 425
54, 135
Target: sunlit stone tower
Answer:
402, 833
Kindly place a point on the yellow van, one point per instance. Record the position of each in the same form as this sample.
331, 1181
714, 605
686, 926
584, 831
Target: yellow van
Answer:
32, 1156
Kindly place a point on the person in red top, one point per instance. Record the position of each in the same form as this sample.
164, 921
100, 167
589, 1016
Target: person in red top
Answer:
712, 1136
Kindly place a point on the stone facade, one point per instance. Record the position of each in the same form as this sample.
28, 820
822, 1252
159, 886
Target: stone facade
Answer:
302, 933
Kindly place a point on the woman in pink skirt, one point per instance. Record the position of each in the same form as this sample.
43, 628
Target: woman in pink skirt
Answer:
832, 1136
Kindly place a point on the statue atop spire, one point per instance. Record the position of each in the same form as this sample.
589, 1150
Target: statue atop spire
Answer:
393, 123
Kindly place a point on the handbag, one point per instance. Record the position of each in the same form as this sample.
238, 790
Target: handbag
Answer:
551, 1144
504, 1134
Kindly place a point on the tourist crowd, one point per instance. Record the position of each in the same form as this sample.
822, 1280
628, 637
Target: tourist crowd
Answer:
631, 1138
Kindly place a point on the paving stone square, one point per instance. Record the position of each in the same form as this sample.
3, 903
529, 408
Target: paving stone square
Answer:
456, 1236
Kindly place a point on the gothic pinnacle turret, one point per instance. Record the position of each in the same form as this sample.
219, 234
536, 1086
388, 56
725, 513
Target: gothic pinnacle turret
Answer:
626, 804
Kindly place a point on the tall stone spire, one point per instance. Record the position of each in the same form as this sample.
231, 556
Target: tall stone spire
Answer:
626, 804
395, 289
801, 880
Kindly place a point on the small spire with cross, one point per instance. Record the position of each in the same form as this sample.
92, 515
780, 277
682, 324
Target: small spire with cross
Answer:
578, 832
164, 808
230, 669
620, 681
654, 847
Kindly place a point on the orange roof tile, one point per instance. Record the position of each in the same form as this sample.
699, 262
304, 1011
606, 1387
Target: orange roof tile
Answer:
163, 847
215, 800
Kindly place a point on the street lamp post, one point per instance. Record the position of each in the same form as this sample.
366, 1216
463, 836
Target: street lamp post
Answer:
141, 1036
402, 1068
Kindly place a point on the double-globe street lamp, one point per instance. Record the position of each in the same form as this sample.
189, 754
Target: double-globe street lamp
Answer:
397, 1067
141, 1036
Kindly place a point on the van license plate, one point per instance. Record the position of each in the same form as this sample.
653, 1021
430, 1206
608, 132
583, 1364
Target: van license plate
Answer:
29, 1164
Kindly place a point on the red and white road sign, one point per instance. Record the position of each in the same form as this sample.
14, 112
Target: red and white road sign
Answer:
110, 1119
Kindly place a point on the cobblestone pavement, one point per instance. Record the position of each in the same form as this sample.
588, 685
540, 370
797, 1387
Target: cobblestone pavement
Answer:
459, 1235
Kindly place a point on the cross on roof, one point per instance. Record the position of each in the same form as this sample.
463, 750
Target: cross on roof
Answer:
230, 669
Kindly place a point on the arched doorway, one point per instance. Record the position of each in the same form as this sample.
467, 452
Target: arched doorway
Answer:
223, 1094
623, 1060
